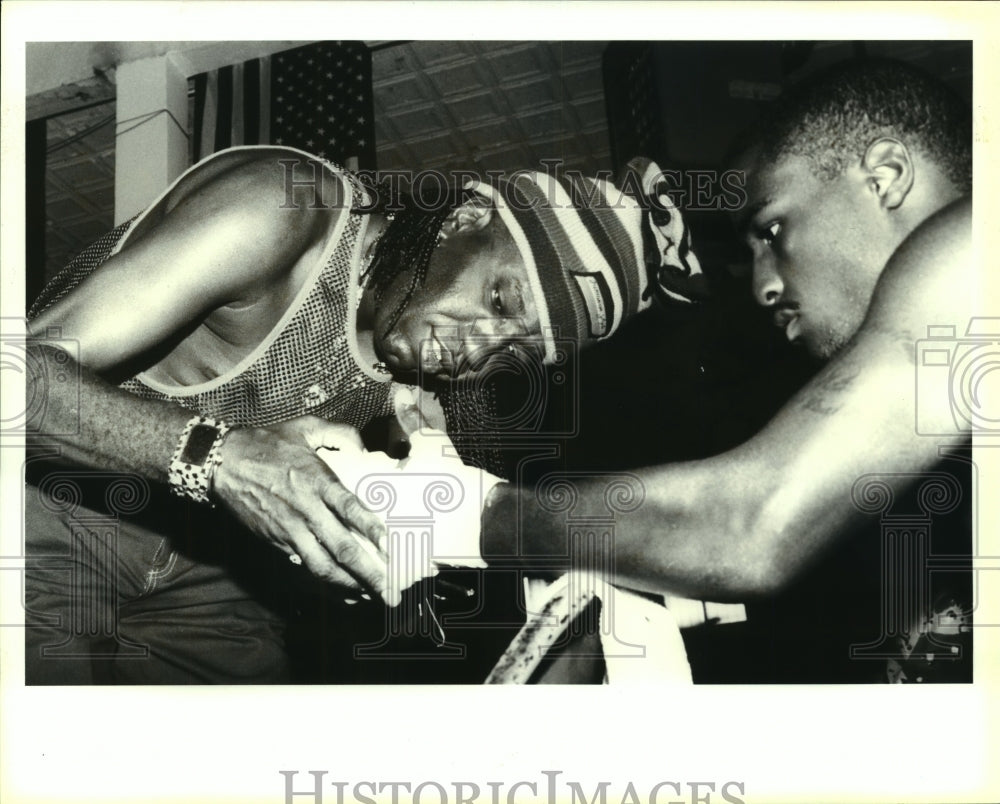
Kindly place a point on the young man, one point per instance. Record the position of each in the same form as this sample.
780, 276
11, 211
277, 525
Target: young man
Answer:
858, 218
255, 313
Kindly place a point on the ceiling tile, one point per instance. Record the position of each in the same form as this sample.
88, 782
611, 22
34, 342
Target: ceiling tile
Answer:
534, 93
391, 94
498, 100
515, 63
418, 122
433, 53
456, 80
473, 108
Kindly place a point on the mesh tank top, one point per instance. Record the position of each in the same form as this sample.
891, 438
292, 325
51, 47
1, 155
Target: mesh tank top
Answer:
305, 365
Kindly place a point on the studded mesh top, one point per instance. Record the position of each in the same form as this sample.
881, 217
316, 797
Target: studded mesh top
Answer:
308, 363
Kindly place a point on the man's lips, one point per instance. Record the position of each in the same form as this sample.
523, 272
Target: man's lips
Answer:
786, 317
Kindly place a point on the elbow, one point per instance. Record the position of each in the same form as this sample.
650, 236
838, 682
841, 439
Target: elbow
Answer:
767, 561
765, 576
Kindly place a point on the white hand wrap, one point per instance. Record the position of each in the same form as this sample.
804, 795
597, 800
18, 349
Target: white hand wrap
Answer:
453, 493
431, 501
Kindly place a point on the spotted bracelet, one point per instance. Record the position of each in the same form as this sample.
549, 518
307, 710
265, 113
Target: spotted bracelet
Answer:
196, 458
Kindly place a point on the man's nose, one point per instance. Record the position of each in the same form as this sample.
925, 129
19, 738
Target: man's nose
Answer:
767, 284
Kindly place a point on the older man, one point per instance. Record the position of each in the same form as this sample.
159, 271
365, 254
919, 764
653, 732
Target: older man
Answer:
255, 313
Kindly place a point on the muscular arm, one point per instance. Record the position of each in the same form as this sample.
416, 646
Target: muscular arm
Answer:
219, 245
747, 521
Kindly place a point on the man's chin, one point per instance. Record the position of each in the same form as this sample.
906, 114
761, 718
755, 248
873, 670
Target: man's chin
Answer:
821, 349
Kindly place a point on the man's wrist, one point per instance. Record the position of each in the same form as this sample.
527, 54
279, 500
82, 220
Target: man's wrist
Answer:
196, 458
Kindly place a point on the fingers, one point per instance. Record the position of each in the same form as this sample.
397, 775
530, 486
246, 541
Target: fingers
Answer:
350, 470
317, 560
358, 541
280, 487
407, 411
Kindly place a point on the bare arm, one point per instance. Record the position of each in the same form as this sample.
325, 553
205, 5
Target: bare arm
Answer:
220, 245
747, 521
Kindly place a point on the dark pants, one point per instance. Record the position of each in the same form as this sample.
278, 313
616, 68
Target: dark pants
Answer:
164, 595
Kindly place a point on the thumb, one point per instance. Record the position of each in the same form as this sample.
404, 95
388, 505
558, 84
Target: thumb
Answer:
411, 420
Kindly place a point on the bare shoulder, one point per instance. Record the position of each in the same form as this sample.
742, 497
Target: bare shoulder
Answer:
931, 278
277, 203
270, 177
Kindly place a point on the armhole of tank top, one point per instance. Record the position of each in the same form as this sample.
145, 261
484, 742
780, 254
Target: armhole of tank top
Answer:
353, 299
307, 286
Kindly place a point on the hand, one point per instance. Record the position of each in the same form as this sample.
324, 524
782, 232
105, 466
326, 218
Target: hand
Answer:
272, 479
358, 470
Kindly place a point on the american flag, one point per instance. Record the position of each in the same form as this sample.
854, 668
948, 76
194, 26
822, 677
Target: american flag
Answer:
317, 98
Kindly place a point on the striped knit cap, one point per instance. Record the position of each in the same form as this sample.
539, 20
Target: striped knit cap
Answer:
584, 247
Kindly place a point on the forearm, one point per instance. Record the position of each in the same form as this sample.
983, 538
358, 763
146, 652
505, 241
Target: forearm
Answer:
83, 420
749, 521
670, 529
269, 478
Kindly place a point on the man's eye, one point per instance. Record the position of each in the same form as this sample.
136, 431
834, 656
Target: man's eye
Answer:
496, 300
768, 234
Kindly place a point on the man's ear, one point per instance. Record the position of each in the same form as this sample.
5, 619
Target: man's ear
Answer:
472, 216
890, 171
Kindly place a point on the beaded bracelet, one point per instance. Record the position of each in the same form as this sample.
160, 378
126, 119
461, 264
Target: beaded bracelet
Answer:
196, 458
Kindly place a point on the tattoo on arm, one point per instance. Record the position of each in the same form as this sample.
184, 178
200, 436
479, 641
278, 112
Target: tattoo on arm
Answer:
822, 398
905, 339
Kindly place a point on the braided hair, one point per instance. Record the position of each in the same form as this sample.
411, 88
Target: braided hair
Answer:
406, 245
